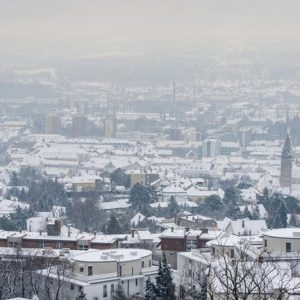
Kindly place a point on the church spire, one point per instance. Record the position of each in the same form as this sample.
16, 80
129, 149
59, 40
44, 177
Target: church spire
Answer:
287, 148
286, 164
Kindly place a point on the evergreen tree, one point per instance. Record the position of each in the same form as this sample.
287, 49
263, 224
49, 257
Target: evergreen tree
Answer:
14, 180
140, 198
277, 212
173, 207
164, 284
292, 205
22, 195
212, 206
293, 221
234, 212
282, 213
246, 213
120, 177
232, 196
265, 199
150, 290
113, 226
119, 293
255, 214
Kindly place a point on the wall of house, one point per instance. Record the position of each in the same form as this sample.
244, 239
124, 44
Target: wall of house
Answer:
278, 245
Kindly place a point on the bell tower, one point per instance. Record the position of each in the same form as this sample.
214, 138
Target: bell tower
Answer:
286, 164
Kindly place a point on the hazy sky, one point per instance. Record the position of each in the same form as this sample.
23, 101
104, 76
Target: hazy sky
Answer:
72, 21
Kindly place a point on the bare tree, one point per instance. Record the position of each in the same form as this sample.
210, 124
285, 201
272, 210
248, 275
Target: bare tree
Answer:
28, 272
55, 278
248, 274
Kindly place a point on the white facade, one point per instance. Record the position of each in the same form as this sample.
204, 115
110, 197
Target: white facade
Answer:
97, 273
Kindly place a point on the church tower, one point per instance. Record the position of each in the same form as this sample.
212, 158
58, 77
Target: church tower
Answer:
286, 164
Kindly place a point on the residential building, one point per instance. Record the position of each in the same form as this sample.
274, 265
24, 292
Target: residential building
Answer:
97, 273
52, 123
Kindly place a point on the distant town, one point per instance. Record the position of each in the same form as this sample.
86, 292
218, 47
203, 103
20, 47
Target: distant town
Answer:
149, 150
104, 198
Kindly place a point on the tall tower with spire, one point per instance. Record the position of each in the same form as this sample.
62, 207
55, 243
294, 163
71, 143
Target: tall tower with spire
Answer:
286, 164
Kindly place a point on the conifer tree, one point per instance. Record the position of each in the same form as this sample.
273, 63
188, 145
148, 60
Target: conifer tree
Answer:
164, 284
173, 207
246, 213
150, 290
113, 226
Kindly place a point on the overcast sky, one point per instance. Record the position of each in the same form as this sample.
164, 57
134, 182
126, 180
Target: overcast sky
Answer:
57, 21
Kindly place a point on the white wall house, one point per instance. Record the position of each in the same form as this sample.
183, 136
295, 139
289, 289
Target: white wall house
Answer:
97, 273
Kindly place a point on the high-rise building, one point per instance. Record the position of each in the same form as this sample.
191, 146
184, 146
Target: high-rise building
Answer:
79, 126
211, 148
52, 123
286, 164
110, 126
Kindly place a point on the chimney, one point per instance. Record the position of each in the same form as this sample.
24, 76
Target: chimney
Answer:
69, 231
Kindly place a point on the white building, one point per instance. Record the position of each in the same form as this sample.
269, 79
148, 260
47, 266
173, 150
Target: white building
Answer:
97, 273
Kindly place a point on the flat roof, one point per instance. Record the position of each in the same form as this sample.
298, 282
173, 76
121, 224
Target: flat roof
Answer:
114, 255
289, 233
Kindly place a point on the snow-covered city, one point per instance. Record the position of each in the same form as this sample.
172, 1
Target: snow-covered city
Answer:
148, 152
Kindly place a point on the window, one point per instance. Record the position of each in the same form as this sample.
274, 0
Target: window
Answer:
143, 264
132, 271
105, 291
79, 288
120, 269
266, 244
83, 247
136, 282
288, 247
232, 253
42, 244
149, 263
13, 244
90, 270
213, 251
72, 286
59, 245
81, 269
112, 288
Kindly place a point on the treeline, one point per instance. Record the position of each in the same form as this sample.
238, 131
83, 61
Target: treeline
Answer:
278, 206
41, 193
16, 221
